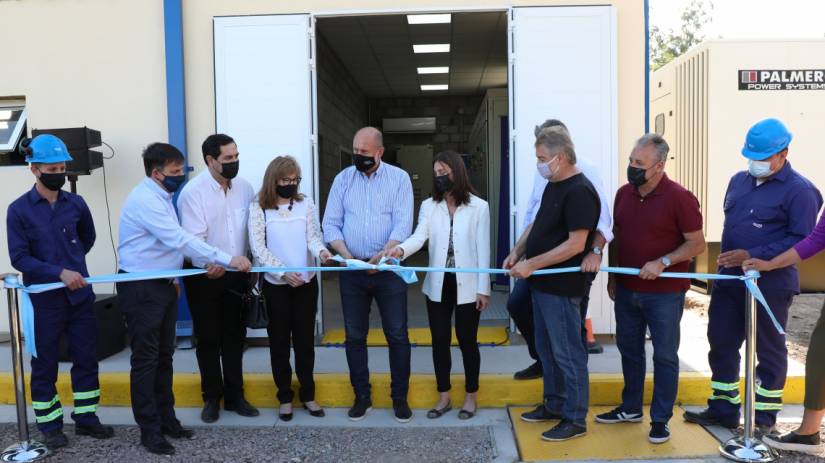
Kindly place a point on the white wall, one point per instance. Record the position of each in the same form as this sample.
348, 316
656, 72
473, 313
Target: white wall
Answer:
98, 63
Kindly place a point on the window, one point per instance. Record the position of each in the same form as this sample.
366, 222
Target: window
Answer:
12, 121
660, 124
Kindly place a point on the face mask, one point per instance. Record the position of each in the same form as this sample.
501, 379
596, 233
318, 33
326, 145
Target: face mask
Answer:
286, 191
363, 163
442, 183
229, 170
53, 182
544, 169
759, 169
173, 182
636, 176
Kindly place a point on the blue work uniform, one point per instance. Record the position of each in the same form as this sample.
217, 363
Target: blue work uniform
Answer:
766, 220
43, 240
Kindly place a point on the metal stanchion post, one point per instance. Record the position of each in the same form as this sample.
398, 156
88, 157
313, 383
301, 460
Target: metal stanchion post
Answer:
26, 449
748, 448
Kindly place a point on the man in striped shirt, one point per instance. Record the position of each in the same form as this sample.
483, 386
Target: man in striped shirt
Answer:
369, 211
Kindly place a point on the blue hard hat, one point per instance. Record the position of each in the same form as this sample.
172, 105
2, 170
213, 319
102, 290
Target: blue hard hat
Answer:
47, 149
766, 138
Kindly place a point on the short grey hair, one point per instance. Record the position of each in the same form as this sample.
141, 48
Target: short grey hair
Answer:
549, 123
557, 139
658, 142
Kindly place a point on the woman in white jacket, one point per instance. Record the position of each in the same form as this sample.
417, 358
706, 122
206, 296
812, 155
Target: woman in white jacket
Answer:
457, 225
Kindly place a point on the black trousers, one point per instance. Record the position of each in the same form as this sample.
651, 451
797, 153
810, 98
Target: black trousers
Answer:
292, 319
219, 331
151, 309
440, 315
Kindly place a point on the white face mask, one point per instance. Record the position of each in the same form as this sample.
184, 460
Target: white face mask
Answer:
544, 169
759, 169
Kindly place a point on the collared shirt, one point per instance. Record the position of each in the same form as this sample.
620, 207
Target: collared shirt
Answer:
768, 219
44, 240
605, 226
151, 237
649, 227
367, 212
216, 216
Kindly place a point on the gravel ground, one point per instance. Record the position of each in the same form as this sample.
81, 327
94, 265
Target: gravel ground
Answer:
297, 445
804, 314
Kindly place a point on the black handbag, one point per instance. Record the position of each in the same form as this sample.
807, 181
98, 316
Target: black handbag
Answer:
253, 305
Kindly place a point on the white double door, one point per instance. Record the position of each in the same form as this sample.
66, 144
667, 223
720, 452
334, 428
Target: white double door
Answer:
562, 65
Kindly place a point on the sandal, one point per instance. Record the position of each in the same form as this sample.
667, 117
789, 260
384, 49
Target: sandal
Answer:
465, 414
438, 413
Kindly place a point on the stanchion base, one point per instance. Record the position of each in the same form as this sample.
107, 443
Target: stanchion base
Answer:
25, 451
737, 449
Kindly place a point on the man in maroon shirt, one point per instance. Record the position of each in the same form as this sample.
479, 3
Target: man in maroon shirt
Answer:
657, 226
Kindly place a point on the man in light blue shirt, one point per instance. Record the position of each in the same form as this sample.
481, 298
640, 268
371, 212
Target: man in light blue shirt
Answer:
370, 211
151, 239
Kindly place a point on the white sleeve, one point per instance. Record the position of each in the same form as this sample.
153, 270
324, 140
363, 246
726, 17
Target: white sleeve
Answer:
257, 240
422, 231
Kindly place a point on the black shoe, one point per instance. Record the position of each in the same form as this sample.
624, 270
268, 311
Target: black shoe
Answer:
98, 431
810, 444
316, 413
242, 407
403, 414
55, 439
176, 431
618, 415
659, 433
532, 372
762, 430
359, 409
540, 414
439, 412
157, 444
706, 418
211, 411
565, 430
285, 416
594, 348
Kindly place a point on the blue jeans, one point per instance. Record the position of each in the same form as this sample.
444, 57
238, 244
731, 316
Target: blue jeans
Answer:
390, 292
558, 325
661, 312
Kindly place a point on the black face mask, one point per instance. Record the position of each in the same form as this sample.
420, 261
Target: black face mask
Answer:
53, 182
229, 170
173, 182
442, 183
636, 176
286, 191
363, 163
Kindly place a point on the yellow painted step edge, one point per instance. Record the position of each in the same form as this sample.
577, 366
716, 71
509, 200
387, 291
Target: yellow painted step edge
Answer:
334, 390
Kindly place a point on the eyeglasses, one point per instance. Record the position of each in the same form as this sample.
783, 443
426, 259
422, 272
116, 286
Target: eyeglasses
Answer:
290, 181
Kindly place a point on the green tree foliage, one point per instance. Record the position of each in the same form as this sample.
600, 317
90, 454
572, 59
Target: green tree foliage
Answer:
667, 45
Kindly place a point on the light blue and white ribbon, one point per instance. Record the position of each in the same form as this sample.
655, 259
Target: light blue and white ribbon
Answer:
408, 274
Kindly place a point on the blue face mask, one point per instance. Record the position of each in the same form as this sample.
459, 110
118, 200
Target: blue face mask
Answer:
173, 182
759, 169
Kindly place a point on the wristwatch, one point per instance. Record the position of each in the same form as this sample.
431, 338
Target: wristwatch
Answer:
597, 250
666, 261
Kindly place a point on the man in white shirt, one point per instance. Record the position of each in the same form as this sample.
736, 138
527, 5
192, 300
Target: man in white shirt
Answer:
519, 303
151, 240
214, 206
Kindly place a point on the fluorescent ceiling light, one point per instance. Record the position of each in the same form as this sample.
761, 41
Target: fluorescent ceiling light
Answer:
432, 48
429, 18
430, 88
434, 70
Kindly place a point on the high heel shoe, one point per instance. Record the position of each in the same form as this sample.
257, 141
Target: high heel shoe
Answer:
285, 416
316, 413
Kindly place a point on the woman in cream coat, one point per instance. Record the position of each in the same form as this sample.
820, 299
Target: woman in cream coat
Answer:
457, 225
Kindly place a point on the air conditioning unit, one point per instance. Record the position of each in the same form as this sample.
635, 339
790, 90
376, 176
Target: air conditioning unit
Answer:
409, 125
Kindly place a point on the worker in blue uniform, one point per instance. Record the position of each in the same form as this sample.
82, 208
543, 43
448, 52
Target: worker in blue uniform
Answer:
50, 231
768, 209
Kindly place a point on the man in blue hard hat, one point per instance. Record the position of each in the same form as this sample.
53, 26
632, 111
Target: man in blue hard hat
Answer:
50, 231
768, 209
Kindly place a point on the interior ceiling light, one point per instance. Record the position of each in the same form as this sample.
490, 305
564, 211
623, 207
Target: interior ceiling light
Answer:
429, 18
434, 70
432, 48
430, 88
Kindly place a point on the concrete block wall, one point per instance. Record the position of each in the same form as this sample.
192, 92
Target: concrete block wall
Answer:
342, 110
